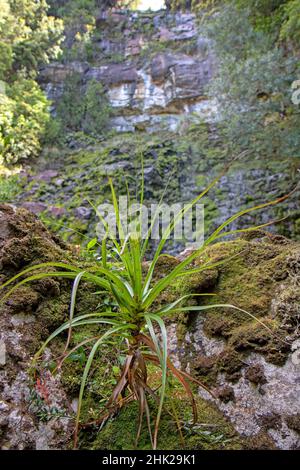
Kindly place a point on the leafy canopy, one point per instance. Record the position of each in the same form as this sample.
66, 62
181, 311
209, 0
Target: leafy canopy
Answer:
28, 38
253, 86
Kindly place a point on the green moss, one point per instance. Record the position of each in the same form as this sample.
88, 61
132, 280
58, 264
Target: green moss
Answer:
24, 299
54, 311
211, 431
9, 187
91, 167
251, 279
168, 158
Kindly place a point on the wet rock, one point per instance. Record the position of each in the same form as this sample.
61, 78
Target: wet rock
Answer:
113, 74
165, 34
57, 211
2, 356
19, 243
260, 441
111, 168
22, 319
48, 287
34, 207
188, 76
134, 46
251, 410
184, 31
57, 73
203, 365
110, 19
160, 67
6, 212
110, 47
47, 175
148, 91
18, 421
25, 300
83, 212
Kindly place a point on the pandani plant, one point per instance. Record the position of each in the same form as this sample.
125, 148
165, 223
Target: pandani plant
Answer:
121, 273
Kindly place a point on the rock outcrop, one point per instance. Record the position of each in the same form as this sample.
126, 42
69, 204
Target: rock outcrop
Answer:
154, 66
252, 367
34, 412
254, 371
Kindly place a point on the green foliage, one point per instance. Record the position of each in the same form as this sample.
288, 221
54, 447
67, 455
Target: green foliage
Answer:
70, 108
83, 110
97, 109
79, 21
9, 187
23, 118
28, 38
72, 7
53, 134
253, 87
80, 18
6, 55
33, 36
290, 29
276, 17
213, 432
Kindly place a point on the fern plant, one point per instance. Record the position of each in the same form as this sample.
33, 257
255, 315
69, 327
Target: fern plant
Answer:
121, 274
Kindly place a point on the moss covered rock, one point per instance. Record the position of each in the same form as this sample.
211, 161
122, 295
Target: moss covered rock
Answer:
249, 352
211, 432
248, 365
35, 411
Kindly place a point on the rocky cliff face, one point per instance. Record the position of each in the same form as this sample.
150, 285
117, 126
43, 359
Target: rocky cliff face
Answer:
252, 371
154, 66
